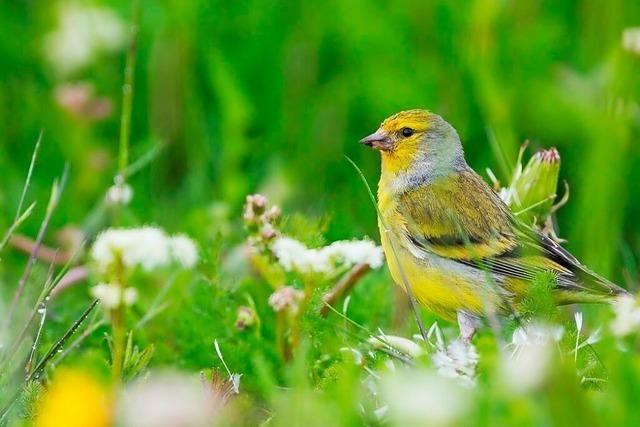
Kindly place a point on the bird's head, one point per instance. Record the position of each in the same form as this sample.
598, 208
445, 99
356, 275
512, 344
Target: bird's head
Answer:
414, 138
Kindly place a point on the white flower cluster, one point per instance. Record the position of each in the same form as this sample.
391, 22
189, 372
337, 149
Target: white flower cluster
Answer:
295, 256
83, 33
167, 400
147, 247
111, 295
627, 320
529, 363
631, 40
119, 194
418, 398
535, 333
458, 360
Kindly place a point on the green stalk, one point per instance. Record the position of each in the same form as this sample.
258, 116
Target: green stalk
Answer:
127, 97
118, 327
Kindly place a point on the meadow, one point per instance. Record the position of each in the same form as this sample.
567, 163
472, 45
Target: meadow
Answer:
187, 236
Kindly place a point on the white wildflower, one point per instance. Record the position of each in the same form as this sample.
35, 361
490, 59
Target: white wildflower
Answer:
403, 345
351, 252
526, 369
418, 398
82, 34
627, 320
183, 250
458, 360
129, 296
286, 297
167, 400
578, 318
535, 333
109, 294
528, 366
119, 194
295, 256
631, 40
147, 247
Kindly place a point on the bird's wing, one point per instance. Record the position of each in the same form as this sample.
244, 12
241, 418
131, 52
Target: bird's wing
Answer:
463, 219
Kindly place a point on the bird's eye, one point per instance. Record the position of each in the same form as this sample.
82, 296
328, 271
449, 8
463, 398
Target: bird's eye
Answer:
406, 132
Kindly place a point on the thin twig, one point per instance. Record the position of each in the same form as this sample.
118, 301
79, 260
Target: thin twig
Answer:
73, 276
43, 253
343, 287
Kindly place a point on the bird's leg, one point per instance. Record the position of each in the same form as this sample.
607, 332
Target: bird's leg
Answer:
468, 324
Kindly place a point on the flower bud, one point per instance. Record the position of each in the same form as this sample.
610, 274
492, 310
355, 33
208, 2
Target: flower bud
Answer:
268, 233
403, 345
286, 298
272, 215
257, 203
534, 190
246, 317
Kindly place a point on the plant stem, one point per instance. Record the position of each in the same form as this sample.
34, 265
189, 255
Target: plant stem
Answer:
343, 287
127, 96
119, 337
118, 326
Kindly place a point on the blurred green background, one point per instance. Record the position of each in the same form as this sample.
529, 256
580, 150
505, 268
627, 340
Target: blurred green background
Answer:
270, 96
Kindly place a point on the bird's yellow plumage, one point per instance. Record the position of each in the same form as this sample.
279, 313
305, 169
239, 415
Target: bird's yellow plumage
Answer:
448, 236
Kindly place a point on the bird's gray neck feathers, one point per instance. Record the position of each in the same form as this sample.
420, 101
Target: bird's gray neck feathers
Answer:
440, 156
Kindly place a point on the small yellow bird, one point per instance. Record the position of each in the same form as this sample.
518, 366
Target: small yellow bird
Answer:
448, 235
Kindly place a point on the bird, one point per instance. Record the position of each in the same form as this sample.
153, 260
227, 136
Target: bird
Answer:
451, 241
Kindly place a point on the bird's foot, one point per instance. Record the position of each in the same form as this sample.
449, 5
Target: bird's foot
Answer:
469, 325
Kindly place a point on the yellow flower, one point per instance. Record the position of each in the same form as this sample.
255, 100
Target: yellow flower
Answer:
74, 399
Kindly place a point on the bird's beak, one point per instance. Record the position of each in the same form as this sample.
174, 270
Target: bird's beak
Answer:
378, 140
